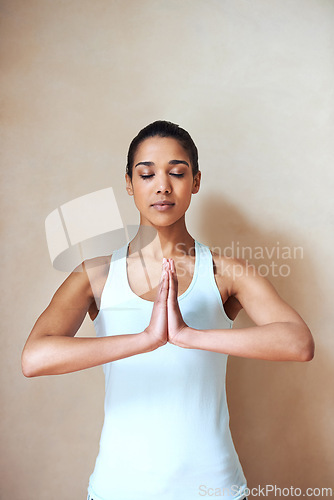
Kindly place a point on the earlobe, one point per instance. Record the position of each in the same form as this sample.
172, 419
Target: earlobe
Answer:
197, 182
129, 187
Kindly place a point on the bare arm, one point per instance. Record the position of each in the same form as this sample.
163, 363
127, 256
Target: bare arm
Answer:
280, 333
52, 347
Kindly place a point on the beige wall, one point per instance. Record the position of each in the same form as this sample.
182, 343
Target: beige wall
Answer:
253, 83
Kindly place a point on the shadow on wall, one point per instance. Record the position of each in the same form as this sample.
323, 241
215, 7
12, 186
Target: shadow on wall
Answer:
277, 409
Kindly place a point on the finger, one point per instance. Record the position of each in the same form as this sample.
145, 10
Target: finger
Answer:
163, 288
164, 274
164, 268
174, 276
165, 264
172, 296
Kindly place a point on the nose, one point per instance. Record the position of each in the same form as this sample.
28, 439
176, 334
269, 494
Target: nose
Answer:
163, 184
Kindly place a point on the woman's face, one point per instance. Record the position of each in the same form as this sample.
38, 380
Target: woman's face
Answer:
162, 172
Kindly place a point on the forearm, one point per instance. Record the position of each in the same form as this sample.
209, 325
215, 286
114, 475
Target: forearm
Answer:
56, 354
286, 341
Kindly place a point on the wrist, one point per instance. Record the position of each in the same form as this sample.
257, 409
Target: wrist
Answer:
148, 342
184, 337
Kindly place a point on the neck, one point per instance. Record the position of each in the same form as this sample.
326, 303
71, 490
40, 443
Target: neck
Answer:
170, 242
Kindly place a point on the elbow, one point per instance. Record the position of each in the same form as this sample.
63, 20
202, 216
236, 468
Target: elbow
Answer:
27, 368
29, 364
307, 354
306, 347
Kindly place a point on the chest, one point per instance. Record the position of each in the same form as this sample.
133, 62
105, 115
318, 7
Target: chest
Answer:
144, 276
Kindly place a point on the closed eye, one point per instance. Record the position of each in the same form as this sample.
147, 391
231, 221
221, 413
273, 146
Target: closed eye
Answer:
151, 175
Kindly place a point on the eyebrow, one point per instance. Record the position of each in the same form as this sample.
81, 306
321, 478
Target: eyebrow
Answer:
151, 163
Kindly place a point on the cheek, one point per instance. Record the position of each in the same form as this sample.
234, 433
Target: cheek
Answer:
137, 188
140, 194
186, 190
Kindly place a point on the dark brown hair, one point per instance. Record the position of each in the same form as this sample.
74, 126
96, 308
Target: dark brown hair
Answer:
163, 128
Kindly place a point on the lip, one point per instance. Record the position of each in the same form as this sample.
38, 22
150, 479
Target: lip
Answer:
163, 205
163, 202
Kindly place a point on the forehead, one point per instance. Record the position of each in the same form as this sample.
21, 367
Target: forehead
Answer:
160, 147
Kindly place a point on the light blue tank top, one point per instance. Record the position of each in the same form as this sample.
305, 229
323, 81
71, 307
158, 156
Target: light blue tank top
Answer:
166, 432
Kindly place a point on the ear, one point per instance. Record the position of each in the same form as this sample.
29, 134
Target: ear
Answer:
196, 183
129, 186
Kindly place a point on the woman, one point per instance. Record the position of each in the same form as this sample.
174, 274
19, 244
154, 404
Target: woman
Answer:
163, 307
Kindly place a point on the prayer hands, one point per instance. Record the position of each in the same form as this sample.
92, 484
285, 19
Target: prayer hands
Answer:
175, 321
166, 322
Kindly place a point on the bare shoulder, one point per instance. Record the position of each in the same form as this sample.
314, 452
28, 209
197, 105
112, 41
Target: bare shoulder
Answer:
237, 274
253, 292
229, 270
96, 266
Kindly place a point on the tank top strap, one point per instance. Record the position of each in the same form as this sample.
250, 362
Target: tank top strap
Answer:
205, 265
206, 285
115, 289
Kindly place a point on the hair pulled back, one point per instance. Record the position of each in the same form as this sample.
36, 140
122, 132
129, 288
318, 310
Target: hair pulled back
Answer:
162, 128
